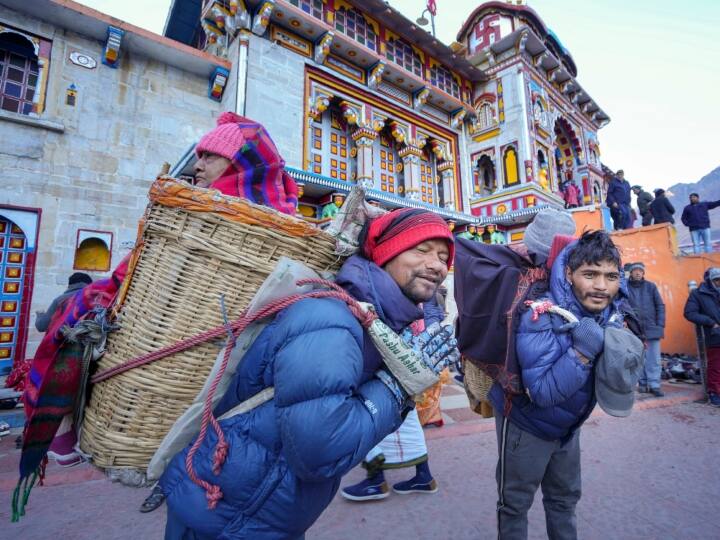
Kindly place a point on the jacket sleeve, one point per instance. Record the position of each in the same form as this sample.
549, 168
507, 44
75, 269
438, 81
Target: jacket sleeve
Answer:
686, 216
669, 206
659, 307
711, 205
42, 322
693, 314
551, 372
610, 197
328, 423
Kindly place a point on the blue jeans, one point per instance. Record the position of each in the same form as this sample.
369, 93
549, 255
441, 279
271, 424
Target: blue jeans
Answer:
650, 376
701, 235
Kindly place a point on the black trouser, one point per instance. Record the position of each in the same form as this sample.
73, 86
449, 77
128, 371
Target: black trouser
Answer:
646, 218
526, 463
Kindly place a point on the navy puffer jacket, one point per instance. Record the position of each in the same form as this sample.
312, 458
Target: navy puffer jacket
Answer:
703, 308
287, 456
560, 393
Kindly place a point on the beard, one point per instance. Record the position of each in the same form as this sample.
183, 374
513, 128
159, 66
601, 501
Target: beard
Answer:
421, 287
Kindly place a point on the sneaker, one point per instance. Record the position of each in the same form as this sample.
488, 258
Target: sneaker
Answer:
367, 490
4, 428
715, 400
657, 392
416, 486
66, 460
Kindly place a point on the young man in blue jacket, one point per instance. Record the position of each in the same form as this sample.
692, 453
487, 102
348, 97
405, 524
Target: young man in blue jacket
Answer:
539, 431
618, 200
334, 399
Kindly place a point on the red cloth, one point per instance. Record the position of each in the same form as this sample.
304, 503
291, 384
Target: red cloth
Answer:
399, 230
560, 242
572, 195
713, 370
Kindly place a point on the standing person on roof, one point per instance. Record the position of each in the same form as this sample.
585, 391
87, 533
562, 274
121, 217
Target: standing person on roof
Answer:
661, 208
643, 202
334, 399
565, 367
618, 200
695, 217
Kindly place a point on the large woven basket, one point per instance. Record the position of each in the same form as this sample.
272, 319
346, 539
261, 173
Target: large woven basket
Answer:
194, 246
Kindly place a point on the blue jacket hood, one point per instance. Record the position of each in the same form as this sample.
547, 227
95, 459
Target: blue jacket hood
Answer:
565, 297
367, 282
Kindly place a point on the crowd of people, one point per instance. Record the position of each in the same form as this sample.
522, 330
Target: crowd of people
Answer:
336, 402
658, 209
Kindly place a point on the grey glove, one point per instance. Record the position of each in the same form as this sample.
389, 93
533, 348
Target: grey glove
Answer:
436, 344
588, 338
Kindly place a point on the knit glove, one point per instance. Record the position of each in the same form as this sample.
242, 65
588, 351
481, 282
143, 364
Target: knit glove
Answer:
413, 362
436, 344
588, 337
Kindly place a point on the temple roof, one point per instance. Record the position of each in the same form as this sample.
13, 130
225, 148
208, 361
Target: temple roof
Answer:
534, 21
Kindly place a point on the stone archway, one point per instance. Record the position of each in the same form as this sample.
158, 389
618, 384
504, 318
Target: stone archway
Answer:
567, 153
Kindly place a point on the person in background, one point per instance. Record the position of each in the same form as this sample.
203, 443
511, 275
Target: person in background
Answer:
650, 308
572, 195
643, 202
76, 282
696, 218
618, 200
661, 208
703, 308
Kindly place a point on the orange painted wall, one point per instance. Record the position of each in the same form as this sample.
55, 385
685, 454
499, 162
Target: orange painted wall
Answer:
656, 247
590, 220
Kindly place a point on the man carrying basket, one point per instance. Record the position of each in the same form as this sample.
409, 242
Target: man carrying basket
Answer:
334, 397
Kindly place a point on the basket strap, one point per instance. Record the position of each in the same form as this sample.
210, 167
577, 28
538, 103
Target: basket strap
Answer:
249, 404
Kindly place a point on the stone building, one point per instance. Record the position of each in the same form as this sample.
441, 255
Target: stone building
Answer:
483, 131
90, 108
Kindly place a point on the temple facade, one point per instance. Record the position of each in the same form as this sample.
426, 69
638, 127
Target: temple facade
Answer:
484, 131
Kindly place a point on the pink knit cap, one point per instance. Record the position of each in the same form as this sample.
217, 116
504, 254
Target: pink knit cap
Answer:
225, 140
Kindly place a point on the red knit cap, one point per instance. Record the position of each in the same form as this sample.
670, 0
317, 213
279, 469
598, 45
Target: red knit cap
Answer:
399, 230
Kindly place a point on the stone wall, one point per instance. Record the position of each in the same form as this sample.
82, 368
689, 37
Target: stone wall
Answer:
94, 172
275, 93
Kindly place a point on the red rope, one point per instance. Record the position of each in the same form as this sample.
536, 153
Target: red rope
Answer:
213, 492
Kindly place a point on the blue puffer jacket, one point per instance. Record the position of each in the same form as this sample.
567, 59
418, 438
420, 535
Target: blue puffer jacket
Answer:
560, 385
287, 456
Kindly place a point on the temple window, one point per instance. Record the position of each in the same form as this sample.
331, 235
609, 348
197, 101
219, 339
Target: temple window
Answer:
403, 55
486, 182
510, 164
443, 79
351, 23
485, 116
428, 174
311, 7
331, 147
19, 73
388, 163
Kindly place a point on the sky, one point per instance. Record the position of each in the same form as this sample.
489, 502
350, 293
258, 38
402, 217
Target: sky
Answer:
652, 65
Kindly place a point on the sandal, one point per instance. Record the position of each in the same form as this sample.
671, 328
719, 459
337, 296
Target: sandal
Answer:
153, 501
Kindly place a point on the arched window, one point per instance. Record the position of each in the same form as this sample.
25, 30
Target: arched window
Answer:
487, 182
485, 116
510, 163
428, 175
311, 7
353, 24
19, 73
443, 79
92, 254
403, 55
387, 163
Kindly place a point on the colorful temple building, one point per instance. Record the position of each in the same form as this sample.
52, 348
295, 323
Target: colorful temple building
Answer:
484, 131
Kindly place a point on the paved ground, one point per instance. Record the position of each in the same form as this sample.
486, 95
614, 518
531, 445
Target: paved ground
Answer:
653, 475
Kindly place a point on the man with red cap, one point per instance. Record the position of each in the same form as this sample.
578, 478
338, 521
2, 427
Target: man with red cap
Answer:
334, 398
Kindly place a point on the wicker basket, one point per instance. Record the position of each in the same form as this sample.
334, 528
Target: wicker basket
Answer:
194, 246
